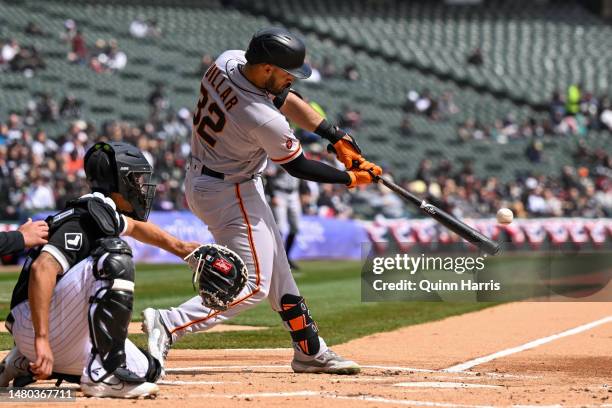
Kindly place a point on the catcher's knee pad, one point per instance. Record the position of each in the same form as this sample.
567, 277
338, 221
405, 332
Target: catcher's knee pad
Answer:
303, 329
110, 311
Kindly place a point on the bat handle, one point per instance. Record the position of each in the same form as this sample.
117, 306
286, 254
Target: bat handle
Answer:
375, 177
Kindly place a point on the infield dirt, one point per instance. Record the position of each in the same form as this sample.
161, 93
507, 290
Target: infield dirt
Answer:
406, 367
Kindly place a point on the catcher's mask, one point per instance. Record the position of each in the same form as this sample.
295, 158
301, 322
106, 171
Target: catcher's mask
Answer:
118, 167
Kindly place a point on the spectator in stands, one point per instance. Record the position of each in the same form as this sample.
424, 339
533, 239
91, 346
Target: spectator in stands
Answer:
40, 195
316, 76
406, 126
427, 105
412, 97
14, 127
95, 63
78, 52
589, 108
605, 115
554, 206
70, 28
3, 133
328, 69
557, 107
158, 101
205, 63
138, 28
475, 57
115, 60
73, 162
572, 102
350, 119
41, 146
472, 130
70, 108
141, 28
30, 116
330, 203
9, 51
34, 29
447, 106
534, 151
351, 73
47, 108
27, 61
392, 204
425, 171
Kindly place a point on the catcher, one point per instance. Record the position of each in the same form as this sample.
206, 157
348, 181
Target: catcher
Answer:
72, 304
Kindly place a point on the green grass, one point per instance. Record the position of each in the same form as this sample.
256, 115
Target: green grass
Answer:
332, 290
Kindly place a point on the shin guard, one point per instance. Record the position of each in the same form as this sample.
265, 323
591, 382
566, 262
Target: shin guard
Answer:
303, 329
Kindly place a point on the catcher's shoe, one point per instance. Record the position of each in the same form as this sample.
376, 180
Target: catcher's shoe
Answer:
112, 387
13, 366
328, 363
158, 337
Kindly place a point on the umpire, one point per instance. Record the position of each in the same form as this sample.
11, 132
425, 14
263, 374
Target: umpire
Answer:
29, 235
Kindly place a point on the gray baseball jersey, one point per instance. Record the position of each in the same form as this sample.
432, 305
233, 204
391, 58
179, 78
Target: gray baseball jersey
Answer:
236, 128
236, 125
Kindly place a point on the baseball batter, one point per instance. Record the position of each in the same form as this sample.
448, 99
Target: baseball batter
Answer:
241, 121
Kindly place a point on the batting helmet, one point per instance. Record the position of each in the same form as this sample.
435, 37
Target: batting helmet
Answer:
119, 167
279, 47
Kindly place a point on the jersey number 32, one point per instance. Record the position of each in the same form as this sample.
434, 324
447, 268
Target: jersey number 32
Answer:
203, 122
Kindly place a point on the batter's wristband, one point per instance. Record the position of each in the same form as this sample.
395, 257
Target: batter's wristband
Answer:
329, 132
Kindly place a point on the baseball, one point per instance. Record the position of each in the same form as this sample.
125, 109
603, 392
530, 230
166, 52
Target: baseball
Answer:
504, 216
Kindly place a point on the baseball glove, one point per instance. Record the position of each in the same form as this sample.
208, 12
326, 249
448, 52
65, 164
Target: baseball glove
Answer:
219, 275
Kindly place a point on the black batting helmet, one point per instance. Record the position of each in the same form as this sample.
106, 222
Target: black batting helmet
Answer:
279, 47
118, 167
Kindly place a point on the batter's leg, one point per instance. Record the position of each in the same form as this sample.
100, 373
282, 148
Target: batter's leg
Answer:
237, 217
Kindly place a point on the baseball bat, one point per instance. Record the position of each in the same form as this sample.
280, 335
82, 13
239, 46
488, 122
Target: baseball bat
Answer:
458, 227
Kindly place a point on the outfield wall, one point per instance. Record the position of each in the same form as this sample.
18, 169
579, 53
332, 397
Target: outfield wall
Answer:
330, 238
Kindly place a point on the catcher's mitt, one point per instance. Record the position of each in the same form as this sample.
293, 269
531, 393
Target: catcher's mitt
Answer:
218, 273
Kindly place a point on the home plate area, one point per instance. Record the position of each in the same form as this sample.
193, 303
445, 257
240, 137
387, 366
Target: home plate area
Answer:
495, 357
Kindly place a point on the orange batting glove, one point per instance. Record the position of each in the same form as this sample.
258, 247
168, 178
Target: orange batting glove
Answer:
359, 177
366, 165
347, 151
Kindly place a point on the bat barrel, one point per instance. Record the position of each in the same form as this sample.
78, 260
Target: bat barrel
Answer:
460, 228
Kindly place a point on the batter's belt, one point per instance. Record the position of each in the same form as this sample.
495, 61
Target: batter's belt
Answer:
197, 166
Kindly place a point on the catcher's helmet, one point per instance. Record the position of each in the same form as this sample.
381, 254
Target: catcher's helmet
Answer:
279, 47
118, 167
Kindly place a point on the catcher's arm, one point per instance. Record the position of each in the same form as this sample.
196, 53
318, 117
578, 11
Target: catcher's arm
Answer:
151, 234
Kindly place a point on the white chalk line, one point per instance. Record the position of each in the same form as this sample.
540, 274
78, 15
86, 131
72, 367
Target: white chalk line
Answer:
197, 369
424, 370
396, 368
196, 382
323, 394
284, 349
287, 368
532, 344
442, 384
366, 398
